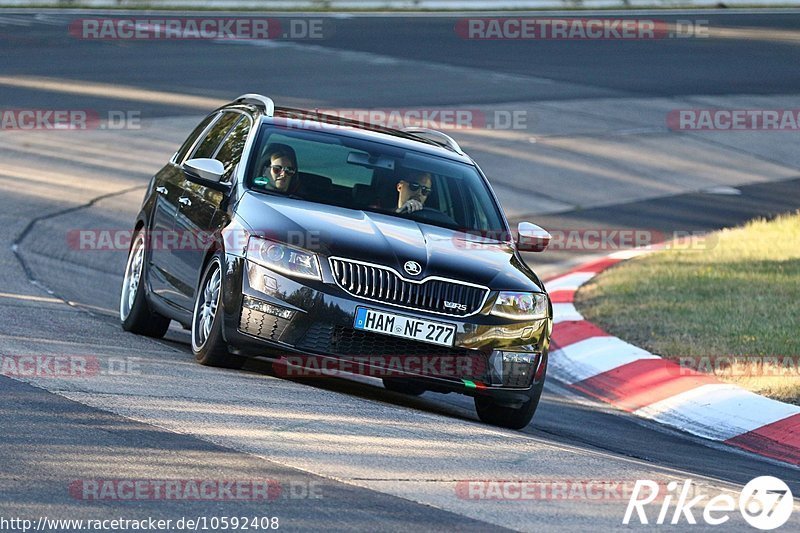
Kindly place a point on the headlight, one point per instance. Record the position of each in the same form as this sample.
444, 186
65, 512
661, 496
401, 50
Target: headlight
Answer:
521, 305
283, 258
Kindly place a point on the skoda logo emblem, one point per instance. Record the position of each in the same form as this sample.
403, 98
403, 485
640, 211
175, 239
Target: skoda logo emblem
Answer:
412, 267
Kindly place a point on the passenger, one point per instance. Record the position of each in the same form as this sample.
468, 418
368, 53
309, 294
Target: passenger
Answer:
280, 169
412, 191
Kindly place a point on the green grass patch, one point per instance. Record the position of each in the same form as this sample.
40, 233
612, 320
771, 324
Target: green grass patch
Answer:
739, 295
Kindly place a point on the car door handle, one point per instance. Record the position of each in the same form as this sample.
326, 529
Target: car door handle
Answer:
162, 190
185, 201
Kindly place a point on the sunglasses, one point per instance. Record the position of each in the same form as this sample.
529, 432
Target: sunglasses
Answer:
277, 169
414, 186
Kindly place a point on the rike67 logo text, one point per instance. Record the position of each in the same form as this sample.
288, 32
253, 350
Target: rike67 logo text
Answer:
765, 503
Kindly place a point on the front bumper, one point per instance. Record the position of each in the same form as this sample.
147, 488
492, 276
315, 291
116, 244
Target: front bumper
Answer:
315, 318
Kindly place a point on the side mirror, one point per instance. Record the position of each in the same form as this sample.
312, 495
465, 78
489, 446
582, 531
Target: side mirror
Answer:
206, 169
532, 238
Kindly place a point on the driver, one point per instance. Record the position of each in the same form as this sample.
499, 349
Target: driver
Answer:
280, 168
412, 191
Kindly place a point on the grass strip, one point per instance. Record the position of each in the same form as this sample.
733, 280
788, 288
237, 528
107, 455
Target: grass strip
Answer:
730, 305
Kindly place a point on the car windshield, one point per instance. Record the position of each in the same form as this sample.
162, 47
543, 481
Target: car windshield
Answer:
356, 174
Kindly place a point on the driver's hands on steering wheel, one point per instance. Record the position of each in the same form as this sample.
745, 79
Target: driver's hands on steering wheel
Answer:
410, 206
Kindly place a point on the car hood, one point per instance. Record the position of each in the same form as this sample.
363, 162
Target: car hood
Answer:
386, 240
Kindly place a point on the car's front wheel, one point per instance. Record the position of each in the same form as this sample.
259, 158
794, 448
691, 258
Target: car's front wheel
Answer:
208, 345
135, 314
490, 412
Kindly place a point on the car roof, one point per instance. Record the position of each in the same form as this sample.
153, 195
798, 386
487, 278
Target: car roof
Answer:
317, 121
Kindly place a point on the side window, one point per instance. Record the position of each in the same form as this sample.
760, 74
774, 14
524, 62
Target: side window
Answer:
209, 144
230, 151
187, 144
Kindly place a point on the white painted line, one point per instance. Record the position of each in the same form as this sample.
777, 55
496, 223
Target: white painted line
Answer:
717, 411
629, 254
723, 190
25, 297
569, 281
595, 355
564, 312
13, 21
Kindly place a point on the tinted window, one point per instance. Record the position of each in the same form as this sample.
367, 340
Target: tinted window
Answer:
321, 158
356, 174
187, 144
230, 151
208, 146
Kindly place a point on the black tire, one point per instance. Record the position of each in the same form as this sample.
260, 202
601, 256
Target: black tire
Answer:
403, 386
208, 345
135, 314
509, 417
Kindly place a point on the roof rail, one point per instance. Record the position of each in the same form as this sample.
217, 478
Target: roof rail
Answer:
436, 136
258, 100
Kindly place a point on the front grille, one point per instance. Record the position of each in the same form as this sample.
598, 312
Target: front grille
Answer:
347, 342
384, 285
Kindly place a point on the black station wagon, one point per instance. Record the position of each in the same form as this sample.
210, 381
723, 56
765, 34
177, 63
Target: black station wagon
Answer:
323, 242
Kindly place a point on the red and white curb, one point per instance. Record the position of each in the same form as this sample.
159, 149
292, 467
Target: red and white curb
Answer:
590, 360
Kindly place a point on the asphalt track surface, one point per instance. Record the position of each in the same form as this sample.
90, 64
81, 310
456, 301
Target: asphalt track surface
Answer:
381, 460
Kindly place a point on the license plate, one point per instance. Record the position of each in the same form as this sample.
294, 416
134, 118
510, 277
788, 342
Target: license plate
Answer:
405, 326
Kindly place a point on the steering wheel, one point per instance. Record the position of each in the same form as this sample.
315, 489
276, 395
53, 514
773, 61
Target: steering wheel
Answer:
429, 214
